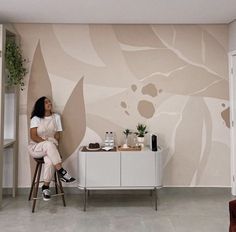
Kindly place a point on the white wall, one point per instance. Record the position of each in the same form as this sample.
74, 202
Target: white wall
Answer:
232, 36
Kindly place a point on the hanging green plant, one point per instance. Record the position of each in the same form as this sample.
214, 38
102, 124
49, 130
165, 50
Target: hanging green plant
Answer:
14, 64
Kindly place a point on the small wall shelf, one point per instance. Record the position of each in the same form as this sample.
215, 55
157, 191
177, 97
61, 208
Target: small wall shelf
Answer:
9, 115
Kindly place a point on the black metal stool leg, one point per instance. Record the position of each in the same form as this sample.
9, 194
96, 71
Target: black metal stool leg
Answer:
36, 188
33, 181
56, 186
61, 189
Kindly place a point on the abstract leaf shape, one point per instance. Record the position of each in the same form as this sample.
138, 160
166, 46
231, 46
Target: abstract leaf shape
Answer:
189, 132
137, 35
39, 82
39, 85
74, 122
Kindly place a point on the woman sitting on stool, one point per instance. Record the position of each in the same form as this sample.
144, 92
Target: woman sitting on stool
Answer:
44, 133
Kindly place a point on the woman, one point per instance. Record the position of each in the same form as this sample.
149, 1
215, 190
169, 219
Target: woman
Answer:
44, 133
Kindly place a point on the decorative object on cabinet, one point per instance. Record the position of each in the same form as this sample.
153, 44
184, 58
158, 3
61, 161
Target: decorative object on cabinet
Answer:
127, 132
14, 64
93, 146
141, 131
135, 148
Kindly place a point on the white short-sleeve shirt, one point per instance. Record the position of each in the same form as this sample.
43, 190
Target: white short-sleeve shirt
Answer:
35, 121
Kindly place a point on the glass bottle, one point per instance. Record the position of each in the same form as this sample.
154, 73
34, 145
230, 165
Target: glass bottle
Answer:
107, 140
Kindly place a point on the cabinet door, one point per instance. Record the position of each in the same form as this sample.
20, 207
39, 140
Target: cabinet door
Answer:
102, 169
138, 169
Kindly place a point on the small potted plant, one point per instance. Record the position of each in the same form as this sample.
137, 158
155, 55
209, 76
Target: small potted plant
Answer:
141, 131
127, 132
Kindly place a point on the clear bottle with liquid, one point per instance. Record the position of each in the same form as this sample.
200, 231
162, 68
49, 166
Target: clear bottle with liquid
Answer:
107, 139
111, 139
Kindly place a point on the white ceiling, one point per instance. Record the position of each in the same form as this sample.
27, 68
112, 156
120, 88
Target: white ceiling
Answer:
118, 11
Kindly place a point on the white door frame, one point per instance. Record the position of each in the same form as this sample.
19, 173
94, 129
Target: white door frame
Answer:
232, 89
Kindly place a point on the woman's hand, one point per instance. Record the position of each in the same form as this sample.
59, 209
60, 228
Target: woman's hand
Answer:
53, 140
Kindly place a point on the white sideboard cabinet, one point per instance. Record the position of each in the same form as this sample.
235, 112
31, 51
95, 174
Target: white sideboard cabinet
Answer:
102, 170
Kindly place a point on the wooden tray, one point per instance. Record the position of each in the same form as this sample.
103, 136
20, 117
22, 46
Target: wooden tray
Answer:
139, 148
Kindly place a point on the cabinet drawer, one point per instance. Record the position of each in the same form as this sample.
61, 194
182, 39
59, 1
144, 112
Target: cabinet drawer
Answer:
138, 169
102, 169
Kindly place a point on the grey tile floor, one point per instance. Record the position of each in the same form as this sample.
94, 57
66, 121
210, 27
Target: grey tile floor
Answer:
179, 210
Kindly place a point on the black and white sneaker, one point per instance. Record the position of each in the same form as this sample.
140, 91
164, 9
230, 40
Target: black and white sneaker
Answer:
46, 194
65, 177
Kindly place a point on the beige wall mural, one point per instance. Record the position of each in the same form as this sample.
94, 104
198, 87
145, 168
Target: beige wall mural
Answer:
171, 77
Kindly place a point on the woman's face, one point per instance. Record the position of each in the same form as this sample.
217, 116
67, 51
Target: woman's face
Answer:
47, 104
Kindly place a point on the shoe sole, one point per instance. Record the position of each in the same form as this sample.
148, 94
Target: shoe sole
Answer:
67, 181
46, 199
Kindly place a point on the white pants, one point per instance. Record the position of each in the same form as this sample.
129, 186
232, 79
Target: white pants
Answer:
48, 150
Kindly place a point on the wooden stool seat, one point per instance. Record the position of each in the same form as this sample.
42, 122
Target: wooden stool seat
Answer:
36, 181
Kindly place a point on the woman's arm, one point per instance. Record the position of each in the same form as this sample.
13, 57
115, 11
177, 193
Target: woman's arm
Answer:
57, 136
34, 136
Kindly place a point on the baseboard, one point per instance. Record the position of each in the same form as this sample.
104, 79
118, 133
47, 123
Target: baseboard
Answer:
164, 190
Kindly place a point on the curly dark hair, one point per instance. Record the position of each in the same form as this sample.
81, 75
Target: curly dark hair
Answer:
39, 109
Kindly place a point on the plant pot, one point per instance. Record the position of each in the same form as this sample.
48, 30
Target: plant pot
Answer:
141, 141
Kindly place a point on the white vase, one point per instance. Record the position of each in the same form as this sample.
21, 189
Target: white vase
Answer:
141, 141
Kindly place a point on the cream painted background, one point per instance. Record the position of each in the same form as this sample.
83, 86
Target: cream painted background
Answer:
174, 78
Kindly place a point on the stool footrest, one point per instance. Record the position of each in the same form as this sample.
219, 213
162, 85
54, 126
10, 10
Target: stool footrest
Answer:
54, 195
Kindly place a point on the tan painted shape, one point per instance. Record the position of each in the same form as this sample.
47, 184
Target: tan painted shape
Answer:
74, 122
225, 115
189, 42
150, 89
146, 109
145, 63
39, 82
123, 104
137, 35
39, 85
134, 87
127, 112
